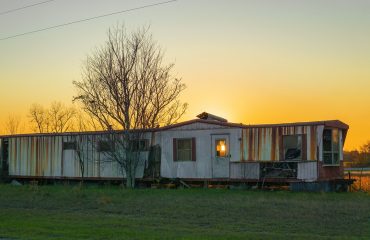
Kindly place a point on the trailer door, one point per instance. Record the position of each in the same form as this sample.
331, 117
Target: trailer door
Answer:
220, 155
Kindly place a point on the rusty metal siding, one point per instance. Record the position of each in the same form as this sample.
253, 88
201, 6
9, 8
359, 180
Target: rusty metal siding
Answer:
265, 143
35, 156
43, 156
330, 172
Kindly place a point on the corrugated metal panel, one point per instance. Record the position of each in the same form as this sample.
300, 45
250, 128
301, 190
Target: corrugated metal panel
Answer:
307, 170
263, 144
43, 156
244, 170
35, 156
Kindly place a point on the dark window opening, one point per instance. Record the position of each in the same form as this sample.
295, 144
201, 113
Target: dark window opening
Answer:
292, 147
139, 145
105, 146
69, 145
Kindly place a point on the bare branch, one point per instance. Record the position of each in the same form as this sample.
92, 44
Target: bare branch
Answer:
126, 85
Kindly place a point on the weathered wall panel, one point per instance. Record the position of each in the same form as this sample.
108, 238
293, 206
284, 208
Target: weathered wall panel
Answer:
202, 167
265, 143
307, 170
35, 156
330, 172
43, 156
244, 170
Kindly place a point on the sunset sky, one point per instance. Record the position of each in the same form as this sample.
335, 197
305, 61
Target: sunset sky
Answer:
248, 61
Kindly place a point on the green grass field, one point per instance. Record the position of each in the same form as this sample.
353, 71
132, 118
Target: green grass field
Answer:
109, 212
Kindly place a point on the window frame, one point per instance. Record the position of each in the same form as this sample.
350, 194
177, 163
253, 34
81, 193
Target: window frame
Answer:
333, 151
176, 149
302, 136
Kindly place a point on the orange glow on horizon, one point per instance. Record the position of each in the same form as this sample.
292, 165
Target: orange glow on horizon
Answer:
250, 62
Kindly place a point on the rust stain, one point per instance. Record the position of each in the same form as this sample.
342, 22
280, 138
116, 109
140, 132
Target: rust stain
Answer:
250, 144
304, 146
259, 146
313, 143
241, 147
327, 173
280, 136
273, 144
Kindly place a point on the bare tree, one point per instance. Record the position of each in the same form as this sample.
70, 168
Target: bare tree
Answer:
38, 116
12, 124
57, 118
82, 152
60, 117
85, 122
126, 85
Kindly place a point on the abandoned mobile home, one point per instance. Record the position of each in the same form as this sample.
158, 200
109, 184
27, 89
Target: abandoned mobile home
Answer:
208, 148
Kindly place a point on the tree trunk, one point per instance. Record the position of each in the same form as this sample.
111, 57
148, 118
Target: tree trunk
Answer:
130, 180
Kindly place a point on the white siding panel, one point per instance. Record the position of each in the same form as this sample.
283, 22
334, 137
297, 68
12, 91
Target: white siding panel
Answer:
243, 170
202, 167
307, 170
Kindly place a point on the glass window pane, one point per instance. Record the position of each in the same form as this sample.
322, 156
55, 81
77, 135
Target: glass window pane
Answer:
327, 158
331, 146
184, 155
184, 143
335, 140
327, 135
220, 147
336, 158
292, 147
184, 149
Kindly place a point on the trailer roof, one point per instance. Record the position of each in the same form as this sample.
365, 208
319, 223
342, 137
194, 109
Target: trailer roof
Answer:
327, 123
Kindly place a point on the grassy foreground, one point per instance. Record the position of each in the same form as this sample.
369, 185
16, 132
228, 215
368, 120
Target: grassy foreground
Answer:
67, 212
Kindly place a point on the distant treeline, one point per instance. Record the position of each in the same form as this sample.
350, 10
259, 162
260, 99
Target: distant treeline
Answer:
359, 157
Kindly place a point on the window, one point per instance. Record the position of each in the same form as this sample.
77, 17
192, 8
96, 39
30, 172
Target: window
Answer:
292, 147
220, 147
69, 146
330, 141
139, 145
105, 146
184, 149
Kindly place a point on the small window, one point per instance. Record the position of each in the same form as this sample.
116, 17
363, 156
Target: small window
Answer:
220, 147
330, 140
139, 145
105, 146
69, 146
184, 149
292, 147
